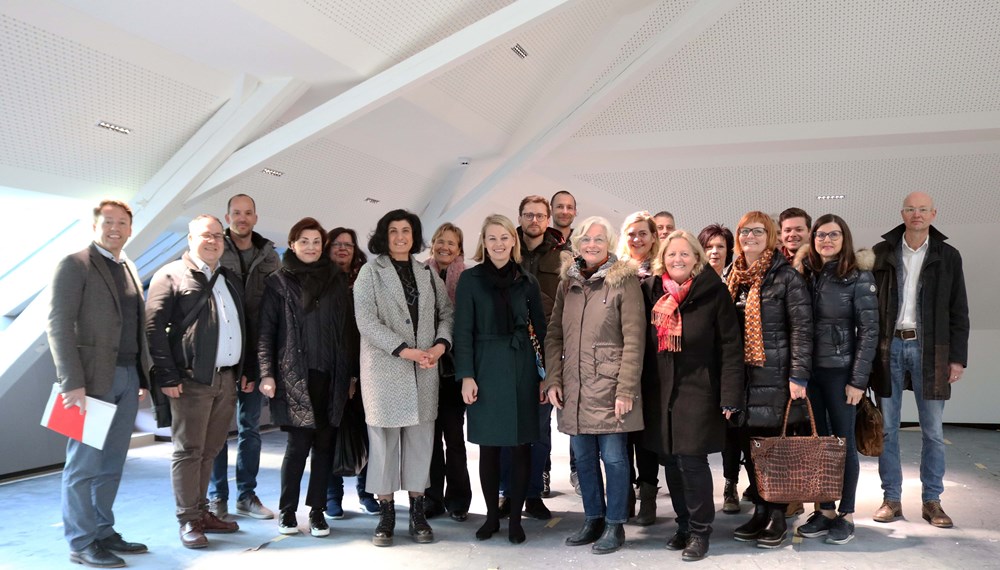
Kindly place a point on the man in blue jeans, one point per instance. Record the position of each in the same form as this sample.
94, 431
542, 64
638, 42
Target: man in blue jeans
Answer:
253, 258
923, 346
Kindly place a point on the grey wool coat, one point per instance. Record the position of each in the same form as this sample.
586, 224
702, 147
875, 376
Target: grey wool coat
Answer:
396, 391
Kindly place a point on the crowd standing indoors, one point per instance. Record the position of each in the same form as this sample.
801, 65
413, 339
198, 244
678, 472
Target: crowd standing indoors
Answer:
659, 352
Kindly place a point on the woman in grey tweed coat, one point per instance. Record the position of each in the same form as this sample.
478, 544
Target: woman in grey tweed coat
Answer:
405, 328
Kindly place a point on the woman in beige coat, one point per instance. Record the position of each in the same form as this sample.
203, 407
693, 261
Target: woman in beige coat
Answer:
594, 350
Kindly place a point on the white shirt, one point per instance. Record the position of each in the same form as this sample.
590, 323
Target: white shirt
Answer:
913, 262
230, 347
108, 254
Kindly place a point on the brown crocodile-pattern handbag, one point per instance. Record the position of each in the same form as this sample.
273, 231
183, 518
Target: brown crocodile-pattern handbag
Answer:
791, 469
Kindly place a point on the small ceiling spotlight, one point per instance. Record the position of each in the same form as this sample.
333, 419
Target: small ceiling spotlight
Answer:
371, 200
272, 172
114, 128
519, 51
831, 197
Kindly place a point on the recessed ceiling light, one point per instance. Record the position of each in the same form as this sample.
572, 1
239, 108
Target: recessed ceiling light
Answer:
372, 200
831, 197
519, 51
272, 172
114, 128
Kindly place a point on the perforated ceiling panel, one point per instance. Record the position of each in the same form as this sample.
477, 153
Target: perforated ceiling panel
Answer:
54, 91
965, 187
800, 61
502, 87
401, 29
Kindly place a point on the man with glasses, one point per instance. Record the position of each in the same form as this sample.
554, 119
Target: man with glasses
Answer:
195, 325
251, 257
923, 347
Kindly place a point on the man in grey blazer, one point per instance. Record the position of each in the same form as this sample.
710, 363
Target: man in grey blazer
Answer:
96, 334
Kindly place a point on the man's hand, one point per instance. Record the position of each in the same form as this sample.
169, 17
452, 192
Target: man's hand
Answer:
246, 387
955, 371
142, 394
76, 397
173, 391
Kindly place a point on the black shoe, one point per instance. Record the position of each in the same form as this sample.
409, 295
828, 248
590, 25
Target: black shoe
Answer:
730, 503
489, 528
433, 508
816, 526
504, 507
546, 484
460, 516
115, 543
611, 541
515, 534
589, 532
96, 557
317, 523
287, 523
386, 523
678, 541
750, 530
536, 509
745, 497
419, 529
696, 549
774, 533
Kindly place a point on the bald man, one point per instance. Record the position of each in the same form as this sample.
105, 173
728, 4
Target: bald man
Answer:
923, 347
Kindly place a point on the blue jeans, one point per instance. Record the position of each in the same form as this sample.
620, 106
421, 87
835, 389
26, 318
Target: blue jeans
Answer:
540, 452
91, 476
905, 356
247, 450
610, 448
829, 403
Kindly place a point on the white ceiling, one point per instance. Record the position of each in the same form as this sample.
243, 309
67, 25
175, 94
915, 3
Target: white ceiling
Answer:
706, 108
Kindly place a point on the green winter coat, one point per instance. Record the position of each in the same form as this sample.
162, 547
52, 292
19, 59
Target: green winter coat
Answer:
503, 365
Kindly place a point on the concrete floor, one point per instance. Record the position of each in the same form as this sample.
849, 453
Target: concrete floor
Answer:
32, 530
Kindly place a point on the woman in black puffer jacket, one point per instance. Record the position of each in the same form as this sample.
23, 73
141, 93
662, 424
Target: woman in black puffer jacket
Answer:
776, 314
845, 309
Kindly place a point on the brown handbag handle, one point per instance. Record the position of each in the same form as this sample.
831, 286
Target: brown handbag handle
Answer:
812, 419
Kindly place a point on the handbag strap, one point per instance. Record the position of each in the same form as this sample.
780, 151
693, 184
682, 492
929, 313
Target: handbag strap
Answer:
812, 419
437, 316
205, 294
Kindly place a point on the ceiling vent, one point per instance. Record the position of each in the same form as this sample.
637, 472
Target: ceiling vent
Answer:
114, 128
371, 200
830, 197
273, 172
519, 51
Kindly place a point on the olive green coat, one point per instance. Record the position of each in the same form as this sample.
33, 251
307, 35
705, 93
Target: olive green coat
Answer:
503, 365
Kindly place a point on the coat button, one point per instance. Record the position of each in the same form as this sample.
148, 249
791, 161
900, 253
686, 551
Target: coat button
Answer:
407, 321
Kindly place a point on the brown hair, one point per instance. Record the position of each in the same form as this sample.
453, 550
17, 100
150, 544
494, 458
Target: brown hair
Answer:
306, 224
534, 199
758, 217
846, 261
794, 213
117, 203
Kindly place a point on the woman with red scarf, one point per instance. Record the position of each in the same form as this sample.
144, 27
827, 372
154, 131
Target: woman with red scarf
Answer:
700, 365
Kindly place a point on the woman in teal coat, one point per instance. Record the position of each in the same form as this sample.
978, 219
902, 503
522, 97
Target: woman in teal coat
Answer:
495, 303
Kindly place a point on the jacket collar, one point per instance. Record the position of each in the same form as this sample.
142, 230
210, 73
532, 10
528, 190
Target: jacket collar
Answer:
895, 235
258, 241
552, 239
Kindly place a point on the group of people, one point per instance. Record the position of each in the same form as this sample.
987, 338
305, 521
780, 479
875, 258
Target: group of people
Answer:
656, 346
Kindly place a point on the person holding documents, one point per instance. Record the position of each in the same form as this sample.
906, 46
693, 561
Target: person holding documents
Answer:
95, 330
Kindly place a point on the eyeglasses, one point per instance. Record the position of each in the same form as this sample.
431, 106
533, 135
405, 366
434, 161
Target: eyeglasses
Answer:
535, 217
758, 232
835, 235
587, 240
342, 245
208, 237
910, 210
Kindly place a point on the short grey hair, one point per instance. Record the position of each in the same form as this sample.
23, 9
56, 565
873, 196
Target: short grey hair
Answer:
584, 227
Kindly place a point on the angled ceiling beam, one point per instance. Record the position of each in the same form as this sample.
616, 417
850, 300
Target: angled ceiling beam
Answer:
547, 135
372, 93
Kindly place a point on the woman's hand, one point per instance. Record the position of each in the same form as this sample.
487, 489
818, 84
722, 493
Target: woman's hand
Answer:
470, 391
267, 386
431, 356
555, 397
797, 392
622, 407
727, 413
352, 389
415, 355
853, 395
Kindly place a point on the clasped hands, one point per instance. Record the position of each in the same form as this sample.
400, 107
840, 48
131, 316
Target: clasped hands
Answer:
424, 358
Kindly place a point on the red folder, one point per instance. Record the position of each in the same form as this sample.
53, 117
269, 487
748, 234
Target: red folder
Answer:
90, 427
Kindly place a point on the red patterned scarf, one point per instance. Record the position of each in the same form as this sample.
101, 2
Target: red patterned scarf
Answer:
667, 317
753, 337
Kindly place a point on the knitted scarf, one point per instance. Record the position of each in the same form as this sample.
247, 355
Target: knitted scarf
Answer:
313, 277
753, 337
667, 316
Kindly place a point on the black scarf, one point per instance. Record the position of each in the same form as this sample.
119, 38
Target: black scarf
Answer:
501, 279
314, 278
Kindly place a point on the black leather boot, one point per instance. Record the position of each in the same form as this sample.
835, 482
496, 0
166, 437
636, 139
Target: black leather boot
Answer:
612, 539
589, 532
386, 523
750, 530
419, 529
774, 533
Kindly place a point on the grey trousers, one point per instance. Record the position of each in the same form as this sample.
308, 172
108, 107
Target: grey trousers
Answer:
201, 418
91, 476
399, 458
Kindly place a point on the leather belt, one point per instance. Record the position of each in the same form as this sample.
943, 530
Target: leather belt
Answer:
224, 369
905, 334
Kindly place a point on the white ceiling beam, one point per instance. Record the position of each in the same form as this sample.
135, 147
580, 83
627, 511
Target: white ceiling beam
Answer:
394, 82
546, 137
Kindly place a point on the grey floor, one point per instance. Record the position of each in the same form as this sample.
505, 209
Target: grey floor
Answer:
31, 527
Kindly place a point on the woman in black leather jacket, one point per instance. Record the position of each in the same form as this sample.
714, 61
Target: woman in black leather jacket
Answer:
776, 314
845, 311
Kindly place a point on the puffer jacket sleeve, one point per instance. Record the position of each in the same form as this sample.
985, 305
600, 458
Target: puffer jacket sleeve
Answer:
798, 304
267, 331
554, 341
633, 314
866, 327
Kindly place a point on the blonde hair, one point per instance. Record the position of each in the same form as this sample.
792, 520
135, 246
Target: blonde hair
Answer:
450, 227
757, 217
636, 218
585, 226
659, 268
505, 223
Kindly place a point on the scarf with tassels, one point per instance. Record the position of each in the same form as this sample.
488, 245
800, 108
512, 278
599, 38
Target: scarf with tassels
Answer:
753, 335
667, 316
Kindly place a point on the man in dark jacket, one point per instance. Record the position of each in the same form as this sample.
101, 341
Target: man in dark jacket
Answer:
923, 346
95, 332
195, 325
252, 257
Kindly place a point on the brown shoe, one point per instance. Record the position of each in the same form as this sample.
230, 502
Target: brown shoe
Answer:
212, 523
794, 509
193, 535
889, 511
934, 514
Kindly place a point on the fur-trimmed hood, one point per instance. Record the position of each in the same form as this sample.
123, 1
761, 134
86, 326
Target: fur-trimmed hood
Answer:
614, 271
864, 256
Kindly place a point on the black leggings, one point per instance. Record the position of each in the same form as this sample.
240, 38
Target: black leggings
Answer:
489, 479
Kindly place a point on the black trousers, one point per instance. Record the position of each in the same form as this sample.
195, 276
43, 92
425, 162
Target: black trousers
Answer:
300, 442
647, 465
731, 455
689, 480
745, 443
450, 484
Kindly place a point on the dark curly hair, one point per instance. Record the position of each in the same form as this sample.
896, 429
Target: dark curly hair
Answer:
378, 240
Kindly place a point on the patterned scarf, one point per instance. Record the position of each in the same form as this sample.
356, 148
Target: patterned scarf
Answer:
667, 317
753, 338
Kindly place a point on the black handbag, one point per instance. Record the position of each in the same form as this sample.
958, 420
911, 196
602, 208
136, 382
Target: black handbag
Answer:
349, 452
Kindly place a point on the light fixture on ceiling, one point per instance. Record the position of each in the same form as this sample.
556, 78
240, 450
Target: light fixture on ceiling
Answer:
831, 197
371, 200
114, 128
272, 172
519, 51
